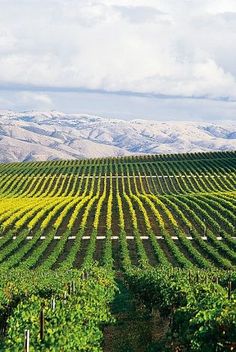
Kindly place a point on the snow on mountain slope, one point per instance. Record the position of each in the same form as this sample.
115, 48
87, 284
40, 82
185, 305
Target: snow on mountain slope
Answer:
54, 135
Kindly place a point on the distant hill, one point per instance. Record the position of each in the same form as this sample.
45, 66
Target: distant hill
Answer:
53, 135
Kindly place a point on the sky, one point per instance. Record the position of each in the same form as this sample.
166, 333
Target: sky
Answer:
151, 59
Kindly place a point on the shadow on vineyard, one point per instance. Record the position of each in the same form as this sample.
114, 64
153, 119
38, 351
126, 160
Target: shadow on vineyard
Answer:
136, 328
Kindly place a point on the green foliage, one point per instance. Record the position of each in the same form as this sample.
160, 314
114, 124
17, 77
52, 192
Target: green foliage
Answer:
162, 210
203, 317
81, 308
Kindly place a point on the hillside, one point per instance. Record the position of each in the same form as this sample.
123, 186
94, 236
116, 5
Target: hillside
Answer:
52, 135
157, 209
119, 254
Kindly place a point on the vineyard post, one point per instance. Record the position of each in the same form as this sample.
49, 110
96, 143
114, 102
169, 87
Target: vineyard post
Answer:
229, 289
197, 277
53, 303
27, 341
65, 297
42, 323
205, 227
73, 286
69, 288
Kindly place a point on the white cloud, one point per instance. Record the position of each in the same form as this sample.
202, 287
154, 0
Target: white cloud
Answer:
121, 106
38, 101
141, 14
173, 47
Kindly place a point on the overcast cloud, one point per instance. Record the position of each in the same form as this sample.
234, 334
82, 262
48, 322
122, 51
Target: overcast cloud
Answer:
160, 54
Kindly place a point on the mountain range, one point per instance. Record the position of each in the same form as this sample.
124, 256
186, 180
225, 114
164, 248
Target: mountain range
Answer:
27, 136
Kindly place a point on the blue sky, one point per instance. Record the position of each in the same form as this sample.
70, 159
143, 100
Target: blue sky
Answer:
154, 59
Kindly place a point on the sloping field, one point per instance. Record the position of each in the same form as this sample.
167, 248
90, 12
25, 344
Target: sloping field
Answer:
146, 210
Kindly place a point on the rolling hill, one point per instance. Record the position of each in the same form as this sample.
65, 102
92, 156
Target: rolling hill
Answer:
29, 136
119, 254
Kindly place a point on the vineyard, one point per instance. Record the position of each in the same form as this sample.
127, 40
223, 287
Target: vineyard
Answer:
166, 222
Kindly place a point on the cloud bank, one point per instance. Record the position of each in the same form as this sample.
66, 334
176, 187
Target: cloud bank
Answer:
183, 48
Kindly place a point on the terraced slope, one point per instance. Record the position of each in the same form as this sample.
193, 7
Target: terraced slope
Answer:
177, 210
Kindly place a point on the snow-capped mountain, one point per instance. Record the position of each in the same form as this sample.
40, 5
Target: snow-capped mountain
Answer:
29, 136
